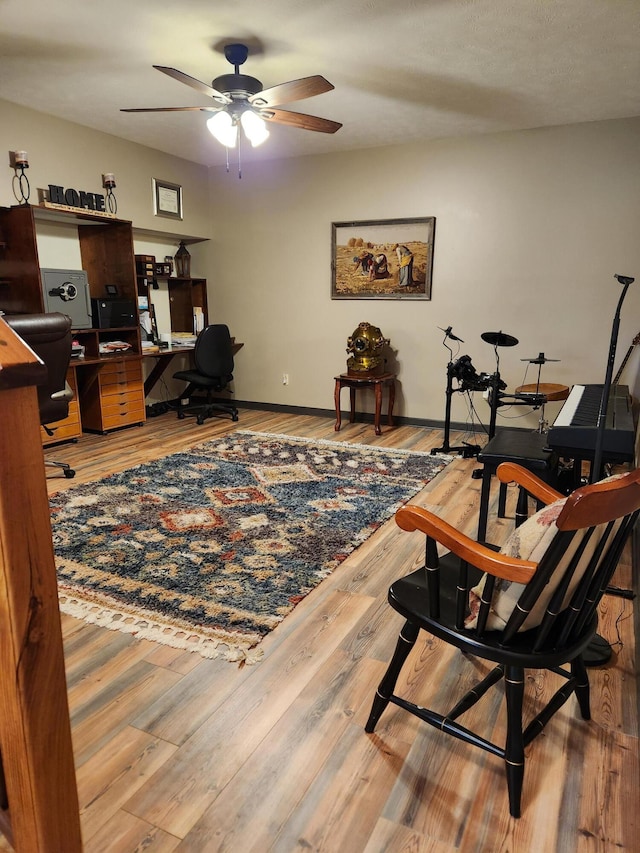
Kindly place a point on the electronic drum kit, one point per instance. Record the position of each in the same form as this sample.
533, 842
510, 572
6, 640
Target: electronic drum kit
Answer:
536, 394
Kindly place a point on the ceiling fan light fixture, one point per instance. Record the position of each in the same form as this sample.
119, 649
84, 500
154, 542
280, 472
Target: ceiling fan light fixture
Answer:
222, 126
242, 106
254, 127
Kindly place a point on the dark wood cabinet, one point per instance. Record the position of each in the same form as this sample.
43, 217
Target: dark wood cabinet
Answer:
107, 256
106, 251
20, 286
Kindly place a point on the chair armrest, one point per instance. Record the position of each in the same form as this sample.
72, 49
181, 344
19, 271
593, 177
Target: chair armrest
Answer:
412, 518
509, 472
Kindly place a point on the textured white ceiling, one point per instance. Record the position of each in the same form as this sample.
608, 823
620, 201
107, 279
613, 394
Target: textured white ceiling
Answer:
403, 70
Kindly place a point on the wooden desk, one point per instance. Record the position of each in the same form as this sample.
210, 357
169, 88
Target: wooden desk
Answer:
353, 382
164, 358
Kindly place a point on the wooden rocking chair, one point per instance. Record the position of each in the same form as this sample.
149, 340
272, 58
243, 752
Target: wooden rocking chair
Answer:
534, 604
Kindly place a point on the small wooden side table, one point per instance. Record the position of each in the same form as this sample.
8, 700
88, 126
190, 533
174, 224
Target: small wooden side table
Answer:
353, 382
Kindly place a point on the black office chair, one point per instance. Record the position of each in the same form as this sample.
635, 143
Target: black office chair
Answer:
213, 357
49, 336
533, 605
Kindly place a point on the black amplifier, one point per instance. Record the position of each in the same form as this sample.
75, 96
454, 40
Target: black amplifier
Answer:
112, 313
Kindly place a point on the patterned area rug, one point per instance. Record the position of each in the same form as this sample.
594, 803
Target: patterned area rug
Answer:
209, 549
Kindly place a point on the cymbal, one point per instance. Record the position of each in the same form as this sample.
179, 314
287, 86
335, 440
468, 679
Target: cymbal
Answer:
499, 339
540, 359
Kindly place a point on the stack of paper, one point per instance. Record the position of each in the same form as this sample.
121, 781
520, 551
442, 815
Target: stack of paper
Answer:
183, 339
108, 347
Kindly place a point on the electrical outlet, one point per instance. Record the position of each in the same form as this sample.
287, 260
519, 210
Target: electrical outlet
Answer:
285, 378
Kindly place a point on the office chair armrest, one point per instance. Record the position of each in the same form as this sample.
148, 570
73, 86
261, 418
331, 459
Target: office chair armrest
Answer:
412, 518
65, 394
510, 472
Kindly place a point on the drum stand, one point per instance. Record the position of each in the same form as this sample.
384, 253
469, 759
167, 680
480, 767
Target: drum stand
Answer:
542, 393
467, 450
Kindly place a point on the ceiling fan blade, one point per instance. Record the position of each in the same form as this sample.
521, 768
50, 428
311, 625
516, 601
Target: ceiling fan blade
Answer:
198, 85
169, 109
323, 125
294, 90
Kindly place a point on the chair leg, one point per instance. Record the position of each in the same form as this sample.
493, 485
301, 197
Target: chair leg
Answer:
522, 507
579, 672
502, 500
68, 471
485, 492
514, 751
406, 642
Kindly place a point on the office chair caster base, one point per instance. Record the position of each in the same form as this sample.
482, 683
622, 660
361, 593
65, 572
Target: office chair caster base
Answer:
181, 416
67, 470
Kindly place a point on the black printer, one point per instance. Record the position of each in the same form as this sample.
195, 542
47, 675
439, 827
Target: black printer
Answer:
113, 313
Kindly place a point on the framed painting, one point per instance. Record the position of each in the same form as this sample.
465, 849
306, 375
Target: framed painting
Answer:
167, 199
382, 259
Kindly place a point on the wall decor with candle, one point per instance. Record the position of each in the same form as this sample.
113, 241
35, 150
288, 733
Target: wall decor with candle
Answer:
19, 161
109, 183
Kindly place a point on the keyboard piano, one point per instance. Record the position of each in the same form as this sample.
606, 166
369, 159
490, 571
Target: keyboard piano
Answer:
573, 433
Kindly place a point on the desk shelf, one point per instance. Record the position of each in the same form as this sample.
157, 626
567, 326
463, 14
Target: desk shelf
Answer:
91, 339
185, 294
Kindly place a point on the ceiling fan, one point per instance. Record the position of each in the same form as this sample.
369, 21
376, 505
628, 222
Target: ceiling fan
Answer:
240, 100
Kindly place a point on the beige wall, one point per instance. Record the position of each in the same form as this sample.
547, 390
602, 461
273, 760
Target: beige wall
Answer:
531, 227
69, 155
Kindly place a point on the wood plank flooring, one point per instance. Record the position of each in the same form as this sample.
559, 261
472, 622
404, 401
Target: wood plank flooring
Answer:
177, 753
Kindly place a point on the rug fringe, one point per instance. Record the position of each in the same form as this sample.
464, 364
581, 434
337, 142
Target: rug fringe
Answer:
329, 442
145, 625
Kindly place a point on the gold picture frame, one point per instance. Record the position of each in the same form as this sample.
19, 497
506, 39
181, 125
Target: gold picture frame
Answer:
382, 259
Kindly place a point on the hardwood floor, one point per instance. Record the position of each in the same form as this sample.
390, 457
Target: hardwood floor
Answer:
177, 753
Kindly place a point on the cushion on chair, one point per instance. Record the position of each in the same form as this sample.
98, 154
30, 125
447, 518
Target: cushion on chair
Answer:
530, 541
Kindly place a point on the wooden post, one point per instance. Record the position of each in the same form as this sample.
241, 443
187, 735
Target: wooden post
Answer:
35, 733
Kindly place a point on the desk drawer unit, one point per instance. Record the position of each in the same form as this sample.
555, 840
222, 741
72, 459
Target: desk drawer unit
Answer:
70, 427
116, 397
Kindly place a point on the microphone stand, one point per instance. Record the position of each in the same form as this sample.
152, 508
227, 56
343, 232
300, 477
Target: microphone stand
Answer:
466, 450
596, 466
450, 391
599, 650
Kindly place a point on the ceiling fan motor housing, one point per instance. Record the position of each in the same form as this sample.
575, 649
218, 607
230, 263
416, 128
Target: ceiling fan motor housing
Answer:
237, 85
